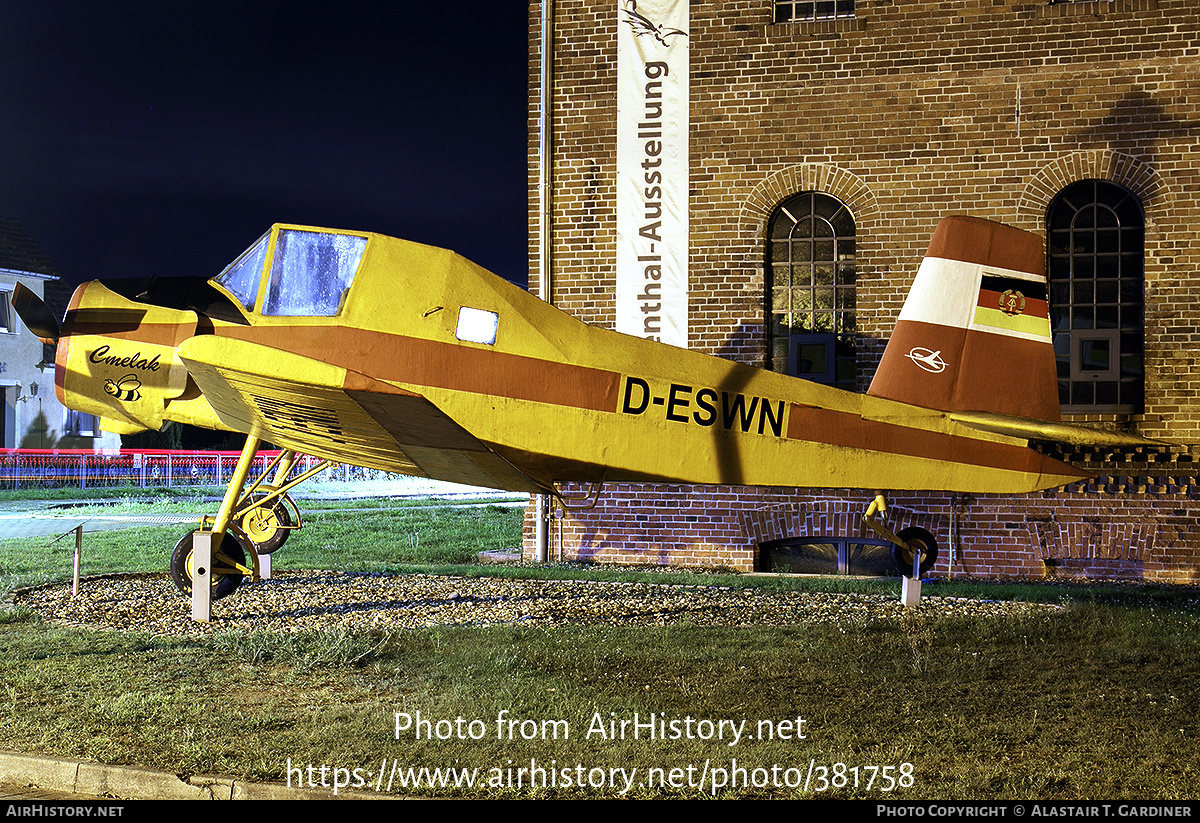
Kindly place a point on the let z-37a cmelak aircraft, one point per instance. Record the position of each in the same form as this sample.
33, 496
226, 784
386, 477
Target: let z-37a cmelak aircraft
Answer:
363, 349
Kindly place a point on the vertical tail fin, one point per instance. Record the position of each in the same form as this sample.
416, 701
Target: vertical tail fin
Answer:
974, 333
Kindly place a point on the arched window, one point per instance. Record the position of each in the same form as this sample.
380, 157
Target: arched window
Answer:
1096, 247
810, 290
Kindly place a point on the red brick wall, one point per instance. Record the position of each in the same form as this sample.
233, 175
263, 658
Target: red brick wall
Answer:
911, 111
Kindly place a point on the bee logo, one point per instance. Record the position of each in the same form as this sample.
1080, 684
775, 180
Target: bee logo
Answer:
124, 389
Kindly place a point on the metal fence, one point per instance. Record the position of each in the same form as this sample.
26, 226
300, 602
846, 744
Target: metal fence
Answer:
37, 468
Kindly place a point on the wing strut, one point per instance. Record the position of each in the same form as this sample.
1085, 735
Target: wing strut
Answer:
233, 491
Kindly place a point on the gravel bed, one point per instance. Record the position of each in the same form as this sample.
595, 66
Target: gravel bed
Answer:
297, 601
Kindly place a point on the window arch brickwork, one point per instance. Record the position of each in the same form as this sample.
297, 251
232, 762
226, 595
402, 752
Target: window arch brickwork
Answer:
759, 205
1101, 164
846, 186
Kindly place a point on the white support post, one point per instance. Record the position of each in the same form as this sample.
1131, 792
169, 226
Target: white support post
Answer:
78, 553
910, 591
202, 557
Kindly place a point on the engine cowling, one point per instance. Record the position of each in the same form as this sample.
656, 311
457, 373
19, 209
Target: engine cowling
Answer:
117, 358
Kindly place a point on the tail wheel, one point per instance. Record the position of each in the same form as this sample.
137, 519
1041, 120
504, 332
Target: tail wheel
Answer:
225, 578
267, 527
919, 542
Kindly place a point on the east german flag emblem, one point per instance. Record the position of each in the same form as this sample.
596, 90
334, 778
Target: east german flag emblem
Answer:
1013, 305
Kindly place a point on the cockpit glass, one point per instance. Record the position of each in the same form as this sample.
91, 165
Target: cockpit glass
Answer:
242, 276
311, 273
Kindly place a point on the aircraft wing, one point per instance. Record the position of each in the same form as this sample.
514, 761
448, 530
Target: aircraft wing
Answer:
326, 411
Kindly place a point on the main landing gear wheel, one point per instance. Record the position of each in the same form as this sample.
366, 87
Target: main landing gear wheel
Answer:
224, 578
267, 527
919, 541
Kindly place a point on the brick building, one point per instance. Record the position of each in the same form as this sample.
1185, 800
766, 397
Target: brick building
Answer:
852, 128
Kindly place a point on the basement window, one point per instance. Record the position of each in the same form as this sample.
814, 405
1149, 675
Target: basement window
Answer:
827, 555
792, 11
78, 424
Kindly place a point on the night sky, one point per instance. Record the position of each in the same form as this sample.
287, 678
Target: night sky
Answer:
141, 138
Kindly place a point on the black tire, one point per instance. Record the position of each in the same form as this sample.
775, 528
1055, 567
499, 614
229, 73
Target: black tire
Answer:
224, 582
920, 541
267, 528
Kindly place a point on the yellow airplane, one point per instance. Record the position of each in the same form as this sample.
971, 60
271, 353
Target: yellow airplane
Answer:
359, 348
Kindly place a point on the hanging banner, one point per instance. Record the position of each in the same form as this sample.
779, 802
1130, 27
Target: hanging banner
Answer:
652, 170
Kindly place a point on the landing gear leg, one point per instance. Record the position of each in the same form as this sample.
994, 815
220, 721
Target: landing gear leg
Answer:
205, 543
914, 550
250, 524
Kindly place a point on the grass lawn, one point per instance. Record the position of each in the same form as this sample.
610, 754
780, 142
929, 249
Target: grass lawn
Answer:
1096, 701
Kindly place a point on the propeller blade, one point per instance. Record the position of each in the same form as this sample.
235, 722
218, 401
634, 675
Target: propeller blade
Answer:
34, 313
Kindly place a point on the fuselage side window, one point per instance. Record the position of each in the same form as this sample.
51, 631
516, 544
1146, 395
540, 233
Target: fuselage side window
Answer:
311, 273
242, 276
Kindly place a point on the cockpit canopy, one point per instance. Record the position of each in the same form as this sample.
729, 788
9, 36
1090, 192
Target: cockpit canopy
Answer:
300, 272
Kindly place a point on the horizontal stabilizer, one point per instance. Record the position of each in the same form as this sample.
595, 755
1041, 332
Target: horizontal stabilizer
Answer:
1051, 432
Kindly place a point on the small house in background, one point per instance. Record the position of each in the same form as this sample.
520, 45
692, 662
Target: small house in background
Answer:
30, 415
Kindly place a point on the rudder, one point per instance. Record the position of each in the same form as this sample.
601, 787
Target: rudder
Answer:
974, 333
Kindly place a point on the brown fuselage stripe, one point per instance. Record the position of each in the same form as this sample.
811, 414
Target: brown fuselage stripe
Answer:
849, 430
421, 362
154, 334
